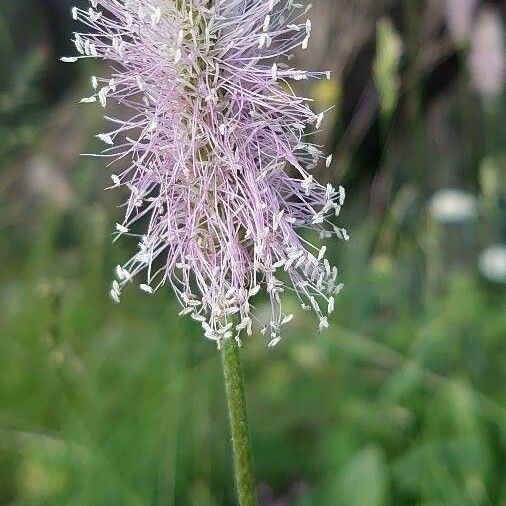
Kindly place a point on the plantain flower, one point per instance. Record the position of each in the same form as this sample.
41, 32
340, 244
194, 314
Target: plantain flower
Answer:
216, 156
487, 63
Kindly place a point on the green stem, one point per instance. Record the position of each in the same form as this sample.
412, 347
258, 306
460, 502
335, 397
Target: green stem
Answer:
241, 446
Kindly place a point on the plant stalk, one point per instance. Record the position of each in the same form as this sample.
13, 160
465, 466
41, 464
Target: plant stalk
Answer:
241, 446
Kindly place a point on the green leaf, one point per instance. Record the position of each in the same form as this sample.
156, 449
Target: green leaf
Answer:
363, 481
386, 65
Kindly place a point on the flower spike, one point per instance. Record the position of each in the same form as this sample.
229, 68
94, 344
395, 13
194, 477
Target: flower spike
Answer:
215, 155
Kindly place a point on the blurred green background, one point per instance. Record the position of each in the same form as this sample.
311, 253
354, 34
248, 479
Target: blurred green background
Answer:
402, 402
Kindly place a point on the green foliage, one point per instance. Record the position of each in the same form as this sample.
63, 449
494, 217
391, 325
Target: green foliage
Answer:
362, 480
105, 404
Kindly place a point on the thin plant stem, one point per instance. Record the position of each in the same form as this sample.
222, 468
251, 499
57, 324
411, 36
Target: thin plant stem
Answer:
241, 446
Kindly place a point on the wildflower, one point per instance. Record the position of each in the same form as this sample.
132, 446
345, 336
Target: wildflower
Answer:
219, 162
486, 59
451, 206
492, 263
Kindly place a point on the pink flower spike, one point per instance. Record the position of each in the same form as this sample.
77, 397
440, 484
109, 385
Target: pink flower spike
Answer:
219, 168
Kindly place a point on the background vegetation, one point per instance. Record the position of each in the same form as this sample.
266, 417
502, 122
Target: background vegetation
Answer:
402, 402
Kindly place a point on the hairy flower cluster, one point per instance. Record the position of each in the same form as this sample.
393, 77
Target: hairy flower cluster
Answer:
215, 155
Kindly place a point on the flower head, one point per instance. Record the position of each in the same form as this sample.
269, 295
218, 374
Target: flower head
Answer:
215, 155
452, 206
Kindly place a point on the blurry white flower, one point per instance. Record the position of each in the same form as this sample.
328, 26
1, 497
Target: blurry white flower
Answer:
453, 206
459, 17
486, 60
492, 263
